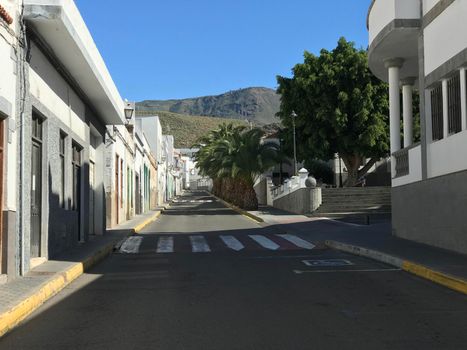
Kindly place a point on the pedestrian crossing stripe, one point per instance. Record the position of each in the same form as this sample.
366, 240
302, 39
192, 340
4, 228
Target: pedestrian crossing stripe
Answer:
265, 242
199, 244
165, 245
131, 245
232, 243
208, 243
193, 201
299, 242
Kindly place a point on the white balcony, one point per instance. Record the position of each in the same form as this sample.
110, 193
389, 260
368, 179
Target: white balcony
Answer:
408, 167
393, 27
60, 25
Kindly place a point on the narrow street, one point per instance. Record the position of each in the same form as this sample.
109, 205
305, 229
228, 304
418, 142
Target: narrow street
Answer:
204, 277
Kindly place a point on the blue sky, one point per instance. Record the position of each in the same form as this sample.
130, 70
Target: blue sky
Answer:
161, 49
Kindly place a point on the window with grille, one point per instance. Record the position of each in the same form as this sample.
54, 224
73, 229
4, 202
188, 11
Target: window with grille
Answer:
437, 112
454, 105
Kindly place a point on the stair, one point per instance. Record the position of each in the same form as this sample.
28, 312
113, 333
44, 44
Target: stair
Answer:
339, 202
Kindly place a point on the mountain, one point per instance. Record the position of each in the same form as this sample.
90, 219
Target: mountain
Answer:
187, 129
257, 104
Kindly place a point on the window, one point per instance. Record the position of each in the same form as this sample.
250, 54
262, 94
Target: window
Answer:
76, 177
454, 105
36, 128
437, 112
62, 143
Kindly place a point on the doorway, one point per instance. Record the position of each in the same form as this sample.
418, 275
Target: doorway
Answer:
36, 186
138, 195
117, 164
92, 170
76, 202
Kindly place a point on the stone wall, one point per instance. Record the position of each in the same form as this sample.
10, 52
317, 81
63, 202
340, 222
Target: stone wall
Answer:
302, 201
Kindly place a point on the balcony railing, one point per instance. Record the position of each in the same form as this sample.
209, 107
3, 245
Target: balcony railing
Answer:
402, 162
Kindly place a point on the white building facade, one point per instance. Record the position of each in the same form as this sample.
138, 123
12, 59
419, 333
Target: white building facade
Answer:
422, 45
120, 176
56, 97
153, 133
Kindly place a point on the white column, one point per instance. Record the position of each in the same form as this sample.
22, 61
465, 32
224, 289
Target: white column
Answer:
407, 107
463, 98
393, 67
445, 109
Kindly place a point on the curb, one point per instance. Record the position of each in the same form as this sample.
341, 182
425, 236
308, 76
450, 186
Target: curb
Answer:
146, 222
427, 273
14, 316
238, 210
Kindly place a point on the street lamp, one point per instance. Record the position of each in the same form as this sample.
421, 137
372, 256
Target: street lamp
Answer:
294, 115
129, 109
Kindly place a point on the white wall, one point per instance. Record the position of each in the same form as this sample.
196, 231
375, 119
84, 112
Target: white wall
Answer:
47, 85
448, 155
385, 11
152, 129
446, 36
8, 93
428, 5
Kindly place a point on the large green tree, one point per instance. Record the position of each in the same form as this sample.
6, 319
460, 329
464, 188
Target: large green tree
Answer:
234, 157
341, 108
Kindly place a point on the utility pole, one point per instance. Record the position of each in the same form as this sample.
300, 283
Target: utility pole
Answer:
294, 115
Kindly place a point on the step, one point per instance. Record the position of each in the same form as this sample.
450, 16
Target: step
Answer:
355, 194
355, 200
350, 212
354, 205
345, 210
358, 189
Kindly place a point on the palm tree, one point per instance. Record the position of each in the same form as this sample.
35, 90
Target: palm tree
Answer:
234, 158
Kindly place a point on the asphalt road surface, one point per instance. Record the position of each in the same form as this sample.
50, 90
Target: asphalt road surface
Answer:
203, 277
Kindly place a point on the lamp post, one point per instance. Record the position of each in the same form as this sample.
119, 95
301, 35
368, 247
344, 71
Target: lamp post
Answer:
294, 115
129, 110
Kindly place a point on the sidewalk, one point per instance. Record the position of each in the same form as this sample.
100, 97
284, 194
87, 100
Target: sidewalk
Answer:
376, 242
23, 295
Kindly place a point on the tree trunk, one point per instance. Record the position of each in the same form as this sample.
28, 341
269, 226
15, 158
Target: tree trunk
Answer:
353, 163
249, 199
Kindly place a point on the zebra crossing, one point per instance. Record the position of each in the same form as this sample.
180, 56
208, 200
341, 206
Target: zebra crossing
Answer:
199, 243
193, 201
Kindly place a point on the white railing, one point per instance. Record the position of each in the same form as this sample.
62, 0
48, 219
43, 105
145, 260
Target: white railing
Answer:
290, 185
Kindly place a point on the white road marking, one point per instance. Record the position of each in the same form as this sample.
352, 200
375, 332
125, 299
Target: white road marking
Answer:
298, 272
299, 242
232, 243
199, 244
265, 242
131, 245
165, 245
